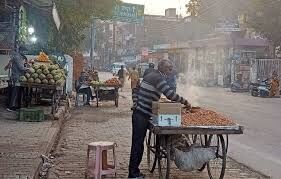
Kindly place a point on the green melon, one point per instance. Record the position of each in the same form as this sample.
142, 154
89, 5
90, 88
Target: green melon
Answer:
23, 79
34, 75
37, 80
30, 80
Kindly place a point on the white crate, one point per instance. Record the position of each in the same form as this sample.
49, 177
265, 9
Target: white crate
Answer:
167, 120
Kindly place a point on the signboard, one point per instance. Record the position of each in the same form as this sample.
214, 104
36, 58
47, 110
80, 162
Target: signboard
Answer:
144, 51
227, 27
243, 67
126, 12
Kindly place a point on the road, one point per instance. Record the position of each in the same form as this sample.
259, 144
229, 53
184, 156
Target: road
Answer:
260, 146
108, 123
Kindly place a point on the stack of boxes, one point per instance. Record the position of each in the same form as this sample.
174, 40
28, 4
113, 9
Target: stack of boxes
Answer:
166, 114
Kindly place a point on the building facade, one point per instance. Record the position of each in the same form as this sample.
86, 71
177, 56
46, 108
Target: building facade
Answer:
216, 60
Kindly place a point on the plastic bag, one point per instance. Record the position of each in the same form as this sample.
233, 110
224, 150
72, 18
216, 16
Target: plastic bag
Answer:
193, 159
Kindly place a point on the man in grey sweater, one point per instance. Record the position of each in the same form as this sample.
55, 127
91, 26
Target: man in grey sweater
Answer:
154, 84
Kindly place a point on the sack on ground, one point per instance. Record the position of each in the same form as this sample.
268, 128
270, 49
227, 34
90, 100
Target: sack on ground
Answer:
193, 159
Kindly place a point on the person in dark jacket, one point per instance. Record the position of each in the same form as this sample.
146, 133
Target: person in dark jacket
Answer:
150, 69
121, 76
153, 85
17, 65
172, 78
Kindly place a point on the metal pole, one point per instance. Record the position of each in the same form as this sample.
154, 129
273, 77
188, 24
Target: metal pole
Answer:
93, 38
114, 42
91, 48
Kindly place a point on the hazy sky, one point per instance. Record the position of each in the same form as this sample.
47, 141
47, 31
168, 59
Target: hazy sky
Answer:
157, 7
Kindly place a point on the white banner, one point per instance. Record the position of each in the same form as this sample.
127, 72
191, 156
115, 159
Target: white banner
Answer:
56, 17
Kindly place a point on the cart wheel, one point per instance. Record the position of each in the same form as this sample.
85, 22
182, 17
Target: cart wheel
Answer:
117, 100
97, 97
216, 167
164, 160
226, 144
151, 151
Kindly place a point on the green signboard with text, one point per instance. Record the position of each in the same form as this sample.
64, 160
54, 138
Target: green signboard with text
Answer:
126, 12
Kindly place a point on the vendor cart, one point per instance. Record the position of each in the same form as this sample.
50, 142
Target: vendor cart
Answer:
106, 92
161, 140
31, 90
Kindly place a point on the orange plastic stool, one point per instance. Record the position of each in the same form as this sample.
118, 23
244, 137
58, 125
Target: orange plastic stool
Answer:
99, 167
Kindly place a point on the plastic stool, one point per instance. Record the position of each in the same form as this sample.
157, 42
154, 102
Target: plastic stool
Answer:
77, 98
100, 166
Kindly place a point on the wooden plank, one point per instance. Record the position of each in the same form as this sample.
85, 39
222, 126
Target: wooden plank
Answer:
192, 130
105, 85
45, 86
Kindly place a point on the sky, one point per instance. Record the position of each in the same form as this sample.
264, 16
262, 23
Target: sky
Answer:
157, 7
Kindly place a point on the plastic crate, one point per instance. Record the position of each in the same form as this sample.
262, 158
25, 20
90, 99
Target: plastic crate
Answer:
31, 115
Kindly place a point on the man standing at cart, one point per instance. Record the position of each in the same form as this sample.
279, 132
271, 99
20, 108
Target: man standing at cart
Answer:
153, 85
18, 68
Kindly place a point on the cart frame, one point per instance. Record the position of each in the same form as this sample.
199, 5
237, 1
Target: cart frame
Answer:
98, 87
160, 143
56, 96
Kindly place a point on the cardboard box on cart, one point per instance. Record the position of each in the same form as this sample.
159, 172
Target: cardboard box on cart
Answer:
166, 113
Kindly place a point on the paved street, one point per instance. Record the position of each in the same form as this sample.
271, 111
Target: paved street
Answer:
260, 146
22, 144
108, 123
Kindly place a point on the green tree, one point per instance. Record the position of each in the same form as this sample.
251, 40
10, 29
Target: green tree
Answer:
76, 16
193, 7
265, 18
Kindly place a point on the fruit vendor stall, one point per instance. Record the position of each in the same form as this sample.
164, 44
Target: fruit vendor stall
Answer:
191, 139
44, 79
107, 90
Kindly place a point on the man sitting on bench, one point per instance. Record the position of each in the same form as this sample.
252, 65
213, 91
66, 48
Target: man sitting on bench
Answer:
83, 87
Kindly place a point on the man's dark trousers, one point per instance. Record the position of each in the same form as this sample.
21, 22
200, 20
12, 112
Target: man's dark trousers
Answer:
140, 124
86, 91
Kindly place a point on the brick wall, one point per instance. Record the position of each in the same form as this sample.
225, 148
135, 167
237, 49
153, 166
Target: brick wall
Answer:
78, 65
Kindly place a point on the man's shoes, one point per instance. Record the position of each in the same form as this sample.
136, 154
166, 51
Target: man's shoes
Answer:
141, 176
11, 110
87, 104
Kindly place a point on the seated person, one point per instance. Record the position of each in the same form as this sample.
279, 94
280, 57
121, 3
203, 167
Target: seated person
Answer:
96, 76
84, 87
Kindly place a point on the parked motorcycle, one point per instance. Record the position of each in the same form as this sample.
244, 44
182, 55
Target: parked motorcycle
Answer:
238, 87
261, 89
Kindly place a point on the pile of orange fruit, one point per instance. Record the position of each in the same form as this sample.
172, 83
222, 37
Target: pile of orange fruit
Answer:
113, 81
204, 117
42, 57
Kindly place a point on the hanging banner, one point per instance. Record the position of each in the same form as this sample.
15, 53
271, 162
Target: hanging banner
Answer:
56, 17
